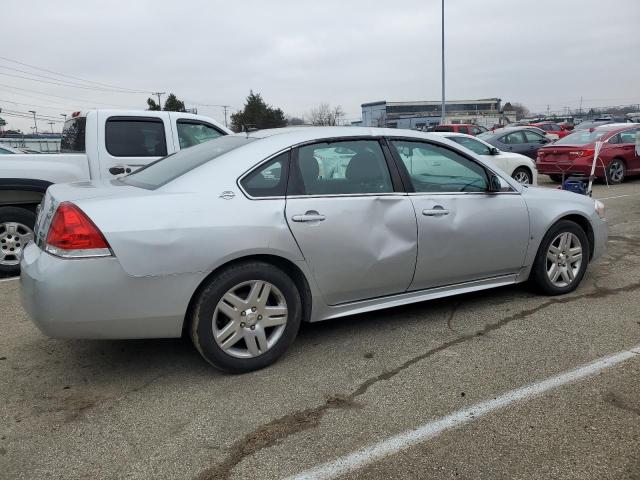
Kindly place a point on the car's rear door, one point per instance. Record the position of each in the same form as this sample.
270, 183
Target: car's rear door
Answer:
355, 226
464, 232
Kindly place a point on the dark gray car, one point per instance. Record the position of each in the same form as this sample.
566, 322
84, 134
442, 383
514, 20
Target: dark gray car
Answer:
520, 140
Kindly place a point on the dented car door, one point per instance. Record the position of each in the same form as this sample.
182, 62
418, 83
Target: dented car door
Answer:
356, 231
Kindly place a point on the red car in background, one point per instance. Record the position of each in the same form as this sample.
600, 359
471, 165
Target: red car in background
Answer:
552, 128
468, 128
573, 154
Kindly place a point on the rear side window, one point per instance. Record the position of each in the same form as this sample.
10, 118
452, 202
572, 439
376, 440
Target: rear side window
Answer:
628, 137
341, 168
73, 135
191, 132
133, 137
268, 180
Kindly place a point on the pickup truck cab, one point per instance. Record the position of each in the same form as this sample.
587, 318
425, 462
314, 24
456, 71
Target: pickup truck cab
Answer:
97, 144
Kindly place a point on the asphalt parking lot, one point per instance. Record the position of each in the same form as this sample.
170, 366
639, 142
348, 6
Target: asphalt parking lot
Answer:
154, 409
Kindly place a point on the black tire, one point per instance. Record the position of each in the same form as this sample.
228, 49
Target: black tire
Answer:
616, 171
26, 219
556, 178
539, 276
521, 171
201, 329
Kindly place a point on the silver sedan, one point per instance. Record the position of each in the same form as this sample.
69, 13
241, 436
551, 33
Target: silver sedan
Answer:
237, 241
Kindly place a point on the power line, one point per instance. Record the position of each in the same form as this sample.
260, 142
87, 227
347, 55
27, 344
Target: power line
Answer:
69, 85
71, 76
11, 87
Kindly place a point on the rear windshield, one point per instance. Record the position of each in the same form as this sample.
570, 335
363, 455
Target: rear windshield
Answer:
169, 168
443, 128
73, 135
581, 137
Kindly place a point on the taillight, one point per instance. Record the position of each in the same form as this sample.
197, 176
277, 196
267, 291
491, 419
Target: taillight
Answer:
582, 153
73, 235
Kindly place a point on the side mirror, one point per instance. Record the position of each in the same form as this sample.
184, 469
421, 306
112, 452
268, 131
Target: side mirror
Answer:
494, 151
495, 185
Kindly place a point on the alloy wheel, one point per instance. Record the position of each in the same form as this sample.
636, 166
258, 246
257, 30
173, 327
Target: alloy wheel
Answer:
564, 258
249, 319
522, 177
616, 171
13, 238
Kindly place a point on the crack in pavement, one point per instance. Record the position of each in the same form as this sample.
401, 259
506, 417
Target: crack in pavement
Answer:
277, 430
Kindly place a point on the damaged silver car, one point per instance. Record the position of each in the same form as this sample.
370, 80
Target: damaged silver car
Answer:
237, 241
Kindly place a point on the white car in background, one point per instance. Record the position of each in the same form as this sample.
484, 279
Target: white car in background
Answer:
520, 168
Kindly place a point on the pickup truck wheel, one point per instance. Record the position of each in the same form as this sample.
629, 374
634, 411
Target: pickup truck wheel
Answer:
16, 230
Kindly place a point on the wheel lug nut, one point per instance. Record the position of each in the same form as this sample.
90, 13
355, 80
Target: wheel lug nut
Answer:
242, 325
253, 309
243, 313
259, 317
253, 327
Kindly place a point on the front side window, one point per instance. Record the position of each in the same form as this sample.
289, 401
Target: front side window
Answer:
435, 169
533, 137
475, 146
268, 180
342, 168
192, 133
128, 137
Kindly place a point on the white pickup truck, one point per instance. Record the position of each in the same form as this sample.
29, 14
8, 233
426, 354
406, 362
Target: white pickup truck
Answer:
97, 144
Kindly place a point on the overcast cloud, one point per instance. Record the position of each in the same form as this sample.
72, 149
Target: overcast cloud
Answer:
299, 53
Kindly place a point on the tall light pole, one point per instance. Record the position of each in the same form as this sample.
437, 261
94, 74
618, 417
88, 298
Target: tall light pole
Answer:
442, 107
35, 124
64, 115
159, 101
51, 123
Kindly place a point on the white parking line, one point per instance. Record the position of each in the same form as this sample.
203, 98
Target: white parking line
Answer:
10, 279
619, 196
432, 429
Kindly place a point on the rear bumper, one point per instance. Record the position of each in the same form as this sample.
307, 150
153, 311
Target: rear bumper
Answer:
95, 298
578, 169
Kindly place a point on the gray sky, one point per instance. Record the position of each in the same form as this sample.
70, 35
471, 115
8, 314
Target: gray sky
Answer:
300, 53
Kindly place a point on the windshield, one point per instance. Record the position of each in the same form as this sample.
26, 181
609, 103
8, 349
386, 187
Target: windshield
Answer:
169, 168
581, 137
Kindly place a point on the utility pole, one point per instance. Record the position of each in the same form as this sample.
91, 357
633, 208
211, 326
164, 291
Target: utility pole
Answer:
225, 113
159, 101
581, 105
34, 121
548, 110
64, 115
442, 107
51, 123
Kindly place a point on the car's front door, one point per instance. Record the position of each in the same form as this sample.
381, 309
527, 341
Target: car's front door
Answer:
625, 148
354, 225
514, 142
464, 232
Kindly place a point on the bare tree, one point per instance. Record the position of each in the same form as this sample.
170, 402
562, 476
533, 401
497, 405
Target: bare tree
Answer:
326, 115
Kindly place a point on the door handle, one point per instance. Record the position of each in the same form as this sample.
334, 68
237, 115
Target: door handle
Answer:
311, 216
436, 211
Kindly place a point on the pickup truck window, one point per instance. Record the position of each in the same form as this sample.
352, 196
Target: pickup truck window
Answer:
169, 168
193, 132
135, 137
73, 135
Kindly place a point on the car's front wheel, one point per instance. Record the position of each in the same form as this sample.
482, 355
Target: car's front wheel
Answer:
562, 259
246, 317
522, 175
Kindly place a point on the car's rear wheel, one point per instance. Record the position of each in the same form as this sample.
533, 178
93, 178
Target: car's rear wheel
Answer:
16, 230
616, 171
246, 317
562, 259
522, 175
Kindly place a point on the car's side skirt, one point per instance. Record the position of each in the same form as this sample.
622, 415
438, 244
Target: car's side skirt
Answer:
329, 312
